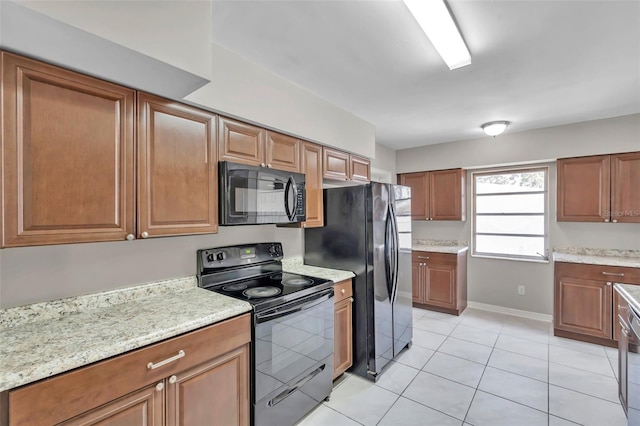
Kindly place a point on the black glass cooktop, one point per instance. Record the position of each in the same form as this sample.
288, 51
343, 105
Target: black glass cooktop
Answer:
272, 288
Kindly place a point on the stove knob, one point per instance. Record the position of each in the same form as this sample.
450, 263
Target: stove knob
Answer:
220, 256
210, 258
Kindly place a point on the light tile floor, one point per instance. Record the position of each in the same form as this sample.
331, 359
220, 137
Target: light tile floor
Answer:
482, 368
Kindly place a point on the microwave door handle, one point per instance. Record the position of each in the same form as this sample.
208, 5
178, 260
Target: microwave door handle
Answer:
291, 185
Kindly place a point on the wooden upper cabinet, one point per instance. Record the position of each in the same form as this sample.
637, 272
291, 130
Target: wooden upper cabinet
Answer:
283, 152
625, 187
335, 164
601, 188
241, 142
447, 195
177, 169
583, 189
339, 165
360, 169
436, 195
311, 159
419, 184
68, 156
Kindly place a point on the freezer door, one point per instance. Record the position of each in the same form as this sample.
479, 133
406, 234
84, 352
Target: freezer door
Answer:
402, 303
382, 276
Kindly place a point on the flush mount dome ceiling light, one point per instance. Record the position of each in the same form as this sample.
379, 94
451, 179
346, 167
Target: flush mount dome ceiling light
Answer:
494, 128
435, 20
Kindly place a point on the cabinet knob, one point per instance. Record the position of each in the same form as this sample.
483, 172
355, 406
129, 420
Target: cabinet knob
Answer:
159, 386
263, 165
130, 237
351, 299
304, 225
173, 379
615, 221
269, 165
145, 234
343, 291
606, 220
609, 283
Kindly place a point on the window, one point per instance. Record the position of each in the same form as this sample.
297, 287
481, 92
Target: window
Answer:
510, 214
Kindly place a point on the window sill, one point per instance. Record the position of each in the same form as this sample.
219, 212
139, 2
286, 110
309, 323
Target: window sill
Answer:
485, 256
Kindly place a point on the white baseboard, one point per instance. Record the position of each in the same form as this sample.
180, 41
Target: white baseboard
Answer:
510, 311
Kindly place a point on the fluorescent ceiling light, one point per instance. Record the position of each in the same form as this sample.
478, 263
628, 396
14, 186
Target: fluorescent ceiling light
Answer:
436, 21
494, 128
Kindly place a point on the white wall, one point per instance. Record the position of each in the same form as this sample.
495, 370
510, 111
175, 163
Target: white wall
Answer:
36, 274
494, 281
383, 166
177, 32
243, 89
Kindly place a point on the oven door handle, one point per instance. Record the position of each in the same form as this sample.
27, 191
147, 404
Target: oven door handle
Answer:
299, 307
291, 186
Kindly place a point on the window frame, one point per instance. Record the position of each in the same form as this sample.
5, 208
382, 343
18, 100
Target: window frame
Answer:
506, 170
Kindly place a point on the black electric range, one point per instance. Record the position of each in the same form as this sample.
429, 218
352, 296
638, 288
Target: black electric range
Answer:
292, 328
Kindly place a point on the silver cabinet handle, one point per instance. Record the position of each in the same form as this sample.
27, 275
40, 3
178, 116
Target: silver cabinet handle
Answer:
606, 220
159, 386
423, 257
613, 274
145, 234
152, 366
130, 237
343, 291
615, 221
263, 165
173, 379
351, 299
608, 284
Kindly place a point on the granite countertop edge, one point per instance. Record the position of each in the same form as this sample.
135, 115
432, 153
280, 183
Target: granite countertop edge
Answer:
628, 262
41, 349
295, 265
439, 248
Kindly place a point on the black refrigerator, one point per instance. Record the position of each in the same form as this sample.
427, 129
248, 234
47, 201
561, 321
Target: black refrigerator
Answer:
367, 230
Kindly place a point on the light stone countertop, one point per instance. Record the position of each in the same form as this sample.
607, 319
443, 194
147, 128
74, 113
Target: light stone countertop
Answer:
440, 246
36, 343
295, 265
605, 257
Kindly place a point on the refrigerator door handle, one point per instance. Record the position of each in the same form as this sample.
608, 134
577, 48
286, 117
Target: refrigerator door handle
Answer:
396, 255
388, 250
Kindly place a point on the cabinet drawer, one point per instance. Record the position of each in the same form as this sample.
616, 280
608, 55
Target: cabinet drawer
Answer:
616, 274
342, 290
433, 258
61, 397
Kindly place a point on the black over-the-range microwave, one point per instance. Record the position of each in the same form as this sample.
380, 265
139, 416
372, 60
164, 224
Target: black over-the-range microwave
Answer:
260, 195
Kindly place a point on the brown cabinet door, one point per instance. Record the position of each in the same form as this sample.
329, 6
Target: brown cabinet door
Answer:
240, 142
213, 393
441, 285
67, 144
177, 169
583, 306
446, 195
625, 187
283, 152
584, 189
343, 340
144, 407
360, 169
417, 282
335, 164
419, 184
312, 168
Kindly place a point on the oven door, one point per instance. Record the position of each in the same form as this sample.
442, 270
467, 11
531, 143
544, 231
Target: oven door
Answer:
257, 195
293, 359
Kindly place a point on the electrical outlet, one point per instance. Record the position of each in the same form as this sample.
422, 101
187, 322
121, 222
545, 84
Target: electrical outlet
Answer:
521, 289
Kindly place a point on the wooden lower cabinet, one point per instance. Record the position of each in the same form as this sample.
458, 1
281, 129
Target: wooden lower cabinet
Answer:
440, 281
205, 381
343, 328
585, 307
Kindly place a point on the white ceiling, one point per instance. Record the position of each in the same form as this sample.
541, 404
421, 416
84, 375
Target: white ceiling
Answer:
534, 63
